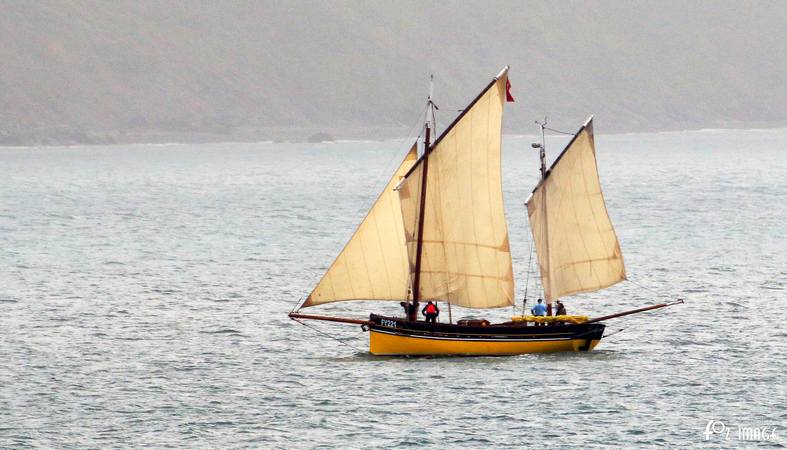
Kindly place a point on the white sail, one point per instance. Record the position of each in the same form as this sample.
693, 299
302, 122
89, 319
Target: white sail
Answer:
578, 250
373, 264
465, 257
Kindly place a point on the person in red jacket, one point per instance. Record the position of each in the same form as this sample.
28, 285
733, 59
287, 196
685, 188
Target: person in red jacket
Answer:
431, 311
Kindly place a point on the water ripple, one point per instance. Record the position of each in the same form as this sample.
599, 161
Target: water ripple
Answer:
145, 291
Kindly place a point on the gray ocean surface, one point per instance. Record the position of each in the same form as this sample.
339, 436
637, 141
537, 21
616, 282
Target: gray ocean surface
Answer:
144, 293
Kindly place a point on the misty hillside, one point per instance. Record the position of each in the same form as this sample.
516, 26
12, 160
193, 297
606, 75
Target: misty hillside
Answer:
121, 71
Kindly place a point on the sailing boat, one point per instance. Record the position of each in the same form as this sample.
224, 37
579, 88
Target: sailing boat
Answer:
438, 232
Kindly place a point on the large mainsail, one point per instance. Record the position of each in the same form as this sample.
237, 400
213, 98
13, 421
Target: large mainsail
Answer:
576, 244
373, 264
465, 256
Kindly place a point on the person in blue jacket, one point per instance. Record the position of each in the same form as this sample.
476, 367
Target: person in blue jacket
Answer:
539, 309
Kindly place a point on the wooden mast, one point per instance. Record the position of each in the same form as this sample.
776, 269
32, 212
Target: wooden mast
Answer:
542, 155
421, 213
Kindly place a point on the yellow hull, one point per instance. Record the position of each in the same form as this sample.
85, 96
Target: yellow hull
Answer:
395, 344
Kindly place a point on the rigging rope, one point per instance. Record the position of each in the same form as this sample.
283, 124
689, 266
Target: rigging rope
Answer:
607, 336
297, 305
558, 131
386, 169
529, 265
328, 335
660, 294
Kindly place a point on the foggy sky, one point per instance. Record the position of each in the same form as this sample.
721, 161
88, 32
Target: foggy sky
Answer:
121, 71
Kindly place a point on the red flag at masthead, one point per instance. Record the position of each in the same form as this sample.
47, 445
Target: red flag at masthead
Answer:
509, 97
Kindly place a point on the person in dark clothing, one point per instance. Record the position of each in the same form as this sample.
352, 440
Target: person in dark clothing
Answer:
561, 309
431, 311
410, 310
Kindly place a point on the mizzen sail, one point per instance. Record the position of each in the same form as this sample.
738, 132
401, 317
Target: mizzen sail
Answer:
465, 255
373, 264
578, 250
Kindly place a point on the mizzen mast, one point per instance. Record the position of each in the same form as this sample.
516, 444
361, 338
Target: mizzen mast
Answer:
542, 148
543, 157
575, 241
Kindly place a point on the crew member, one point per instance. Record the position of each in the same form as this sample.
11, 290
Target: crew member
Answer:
539, 309
561, 309
431, 311
410, 310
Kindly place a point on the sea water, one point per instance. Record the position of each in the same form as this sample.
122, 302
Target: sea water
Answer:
144, 293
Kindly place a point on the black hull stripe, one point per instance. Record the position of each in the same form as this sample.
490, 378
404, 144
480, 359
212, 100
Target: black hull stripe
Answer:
474, 339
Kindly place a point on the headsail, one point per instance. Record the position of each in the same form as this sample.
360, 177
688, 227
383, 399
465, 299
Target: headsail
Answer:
465, 256
578, 250
373, 264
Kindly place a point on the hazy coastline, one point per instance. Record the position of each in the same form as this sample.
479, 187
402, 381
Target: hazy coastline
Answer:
308, 136
151, 72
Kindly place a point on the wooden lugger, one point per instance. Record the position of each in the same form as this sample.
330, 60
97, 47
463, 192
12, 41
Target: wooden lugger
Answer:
461, 246
396, 336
